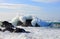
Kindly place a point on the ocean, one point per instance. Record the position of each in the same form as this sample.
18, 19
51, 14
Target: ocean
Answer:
35, 33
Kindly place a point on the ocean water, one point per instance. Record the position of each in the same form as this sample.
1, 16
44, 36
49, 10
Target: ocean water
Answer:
35, 33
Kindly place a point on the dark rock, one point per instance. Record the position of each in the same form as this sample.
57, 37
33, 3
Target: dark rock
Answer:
19, 23
8, 29
27, 23
0, 29
17, 30
36, 25
6, 24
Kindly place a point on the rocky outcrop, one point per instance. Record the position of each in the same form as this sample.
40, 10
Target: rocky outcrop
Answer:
9, 27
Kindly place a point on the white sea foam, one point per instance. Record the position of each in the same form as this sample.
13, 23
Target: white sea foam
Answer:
35, 33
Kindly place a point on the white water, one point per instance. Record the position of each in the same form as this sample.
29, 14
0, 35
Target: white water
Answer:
35, 33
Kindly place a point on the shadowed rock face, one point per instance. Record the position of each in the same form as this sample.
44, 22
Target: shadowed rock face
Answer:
20, 30
6, 24
17, 30
27, 23
9, 27
36, 25
19, 23
0, 29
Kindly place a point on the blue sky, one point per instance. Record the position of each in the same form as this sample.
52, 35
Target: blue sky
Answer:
44, 9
